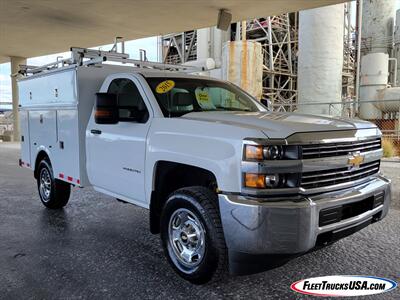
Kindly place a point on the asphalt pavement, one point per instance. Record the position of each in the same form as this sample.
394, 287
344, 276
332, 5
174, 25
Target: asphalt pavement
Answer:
99, 248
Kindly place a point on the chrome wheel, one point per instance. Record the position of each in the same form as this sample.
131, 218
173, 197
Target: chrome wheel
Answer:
187, 240
45, 184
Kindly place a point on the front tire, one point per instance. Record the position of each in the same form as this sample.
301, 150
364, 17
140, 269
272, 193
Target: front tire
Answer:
192, 235
53, 193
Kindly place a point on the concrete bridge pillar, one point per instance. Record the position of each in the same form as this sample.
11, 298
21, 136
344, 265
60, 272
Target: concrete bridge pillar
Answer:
15, 62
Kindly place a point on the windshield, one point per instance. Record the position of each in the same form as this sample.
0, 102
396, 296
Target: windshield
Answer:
179, 96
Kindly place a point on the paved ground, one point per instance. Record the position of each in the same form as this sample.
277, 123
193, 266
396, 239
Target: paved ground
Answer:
99, 248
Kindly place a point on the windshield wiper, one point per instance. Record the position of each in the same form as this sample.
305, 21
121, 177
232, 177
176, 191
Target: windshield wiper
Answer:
233, 109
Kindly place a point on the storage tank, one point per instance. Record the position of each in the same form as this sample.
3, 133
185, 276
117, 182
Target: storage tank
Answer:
209, 44
373, 77
377, 26
397, 43
377, 33
320, 60
242, 63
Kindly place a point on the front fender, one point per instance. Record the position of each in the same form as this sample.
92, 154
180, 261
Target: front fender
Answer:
214, 147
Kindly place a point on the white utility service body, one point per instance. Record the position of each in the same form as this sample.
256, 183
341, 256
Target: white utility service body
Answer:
268, 204
56, 115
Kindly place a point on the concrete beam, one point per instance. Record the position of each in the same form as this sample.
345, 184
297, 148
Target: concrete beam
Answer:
45, 27
15, 62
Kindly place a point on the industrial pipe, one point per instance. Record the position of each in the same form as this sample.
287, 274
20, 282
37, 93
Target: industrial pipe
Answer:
395, 70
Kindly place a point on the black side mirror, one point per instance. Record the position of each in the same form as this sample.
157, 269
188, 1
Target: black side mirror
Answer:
267, 103
106, 109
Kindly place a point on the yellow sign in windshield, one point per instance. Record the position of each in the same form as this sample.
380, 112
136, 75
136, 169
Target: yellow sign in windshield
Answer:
202, 96
165, 86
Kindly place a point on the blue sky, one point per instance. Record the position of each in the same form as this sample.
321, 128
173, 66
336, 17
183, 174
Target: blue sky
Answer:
131, 47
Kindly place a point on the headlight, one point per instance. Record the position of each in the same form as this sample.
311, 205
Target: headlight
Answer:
274, 180
273, 152
254, 181
270, 152
264, 181
254, 152
271, 181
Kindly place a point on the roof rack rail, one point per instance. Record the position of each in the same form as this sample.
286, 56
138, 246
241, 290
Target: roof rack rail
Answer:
87, 57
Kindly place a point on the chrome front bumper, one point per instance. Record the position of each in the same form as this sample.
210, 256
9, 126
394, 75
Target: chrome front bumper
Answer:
264, 226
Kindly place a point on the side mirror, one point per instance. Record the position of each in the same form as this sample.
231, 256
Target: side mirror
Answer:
267, 103
106, 109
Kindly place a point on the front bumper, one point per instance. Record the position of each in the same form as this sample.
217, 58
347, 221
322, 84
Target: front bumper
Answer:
291, 227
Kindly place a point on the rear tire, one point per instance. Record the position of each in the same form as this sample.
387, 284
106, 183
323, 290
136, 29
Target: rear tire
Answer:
192, 235
53, 193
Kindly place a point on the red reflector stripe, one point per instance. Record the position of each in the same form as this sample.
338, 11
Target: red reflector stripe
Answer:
69, 178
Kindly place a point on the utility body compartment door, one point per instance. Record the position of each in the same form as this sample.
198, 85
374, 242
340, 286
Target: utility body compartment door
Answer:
116, 152
43, 130
25, 138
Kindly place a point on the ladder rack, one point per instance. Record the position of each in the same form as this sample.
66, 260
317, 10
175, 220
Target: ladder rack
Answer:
88, 57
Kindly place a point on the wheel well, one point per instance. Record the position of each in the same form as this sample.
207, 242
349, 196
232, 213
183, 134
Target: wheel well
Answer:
170, 176
41, 155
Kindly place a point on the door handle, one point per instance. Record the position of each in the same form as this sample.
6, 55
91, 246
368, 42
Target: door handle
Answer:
95, 131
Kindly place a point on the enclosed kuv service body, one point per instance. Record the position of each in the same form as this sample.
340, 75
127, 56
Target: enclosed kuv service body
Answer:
54, 109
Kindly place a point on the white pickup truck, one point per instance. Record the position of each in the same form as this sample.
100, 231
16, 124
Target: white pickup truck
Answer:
229, 184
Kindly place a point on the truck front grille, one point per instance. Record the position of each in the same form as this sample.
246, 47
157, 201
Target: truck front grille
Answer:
316, 179
342, 212
342, 148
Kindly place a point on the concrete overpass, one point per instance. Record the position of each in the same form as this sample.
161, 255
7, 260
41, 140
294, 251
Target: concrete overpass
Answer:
33, 28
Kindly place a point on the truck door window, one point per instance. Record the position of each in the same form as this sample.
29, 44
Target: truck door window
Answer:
130, 103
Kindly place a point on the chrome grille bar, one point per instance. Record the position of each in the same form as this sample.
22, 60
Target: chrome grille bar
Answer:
337, 149
316, 179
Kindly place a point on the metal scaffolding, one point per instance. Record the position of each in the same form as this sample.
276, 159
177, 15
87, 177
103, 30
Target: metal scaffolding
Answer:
178, 48
279, 38
349, 56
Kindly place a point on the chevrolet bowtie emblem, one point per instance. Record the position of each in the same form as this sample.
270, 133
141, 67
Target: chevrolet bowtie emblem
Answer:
356, 160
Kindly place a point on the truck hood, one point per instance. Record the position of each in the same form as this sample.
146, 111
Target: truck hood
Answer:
278, 124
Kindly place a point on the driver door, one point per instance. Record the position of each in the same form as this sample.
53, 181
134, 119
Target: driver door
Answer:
116, 152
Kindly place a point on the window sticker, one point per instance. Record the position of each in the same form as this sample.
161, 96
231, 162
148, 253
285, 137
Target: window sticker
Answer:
204, 99
165, 86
